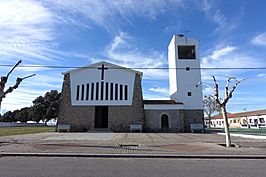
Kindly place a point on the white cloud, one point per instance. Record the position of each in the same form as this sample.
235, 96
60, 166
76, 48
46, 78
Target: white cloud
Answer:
218, 53
109, 15
260, 39
229, 57
122, 52
154, 97
212, 11
262, 75
226, 57
164, 90
26, 30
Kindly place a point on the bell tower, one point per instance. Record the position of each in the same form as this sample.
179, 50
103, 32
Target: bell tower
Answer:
184, 72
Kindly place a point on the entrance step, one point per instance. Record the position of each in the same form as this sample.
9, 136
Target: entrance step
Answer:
100, 130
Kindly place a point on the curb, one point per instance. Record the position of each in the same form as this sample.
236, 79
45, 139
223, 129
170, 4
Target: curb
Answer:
149, 156
245, 136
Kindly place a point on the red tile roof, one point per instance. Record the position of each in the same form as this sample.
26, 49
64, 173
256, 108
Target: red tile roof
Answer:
241, 114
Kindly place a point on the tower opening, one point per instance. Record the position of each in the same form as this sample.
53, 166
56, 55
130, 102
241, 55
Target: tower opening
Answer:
186, 52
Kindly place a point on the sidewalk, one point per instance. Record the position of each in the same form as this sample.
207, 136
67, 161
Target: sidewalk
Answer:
131, 144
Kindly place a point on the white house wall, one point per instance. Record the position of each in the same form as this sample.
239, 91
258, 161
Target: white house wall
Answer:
92, 76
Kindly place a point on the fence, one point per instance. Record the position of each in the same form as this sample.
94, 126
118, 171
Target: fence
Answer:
14, 124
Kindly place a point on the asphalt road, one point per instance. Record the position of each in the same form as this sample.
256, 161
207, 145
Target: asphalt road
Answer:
86, 167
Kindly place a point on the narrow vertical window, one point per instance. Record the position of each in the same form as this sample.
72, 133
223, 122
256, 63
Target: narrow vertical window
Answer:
82, 91
102, 87
116, 91
92, 91
97, 90
121, 92
87, 91
126, 92
77, 96
112, 91
106, 91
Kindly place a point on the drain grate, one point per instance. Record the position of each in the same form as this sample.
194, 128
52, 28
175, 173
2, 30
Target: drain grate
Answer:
129, 145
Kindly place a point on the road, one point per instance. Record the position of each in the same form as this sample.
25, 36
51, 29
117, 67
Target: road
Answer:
86, 167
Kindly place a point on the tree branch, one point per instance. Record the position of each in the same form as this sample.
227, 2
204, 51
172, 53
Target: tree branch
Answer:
233, 89
10, 89
4, 79
227, 86
13, 68
216, 91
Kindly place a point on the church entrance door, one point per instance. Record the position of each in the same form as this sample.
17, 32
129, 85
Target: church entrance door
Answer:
101, 117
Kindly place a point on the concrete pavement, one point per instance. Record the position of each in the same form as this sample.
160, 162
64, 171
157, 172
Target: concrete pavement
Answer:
131, 144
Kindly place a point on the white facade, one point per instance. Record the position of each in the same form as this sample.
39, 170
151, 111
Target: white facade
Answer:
102, 84
184, 72
163, 106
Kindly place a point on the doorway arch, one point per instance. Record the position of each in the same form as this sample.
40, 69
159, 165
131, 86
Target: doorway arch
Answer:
164, 122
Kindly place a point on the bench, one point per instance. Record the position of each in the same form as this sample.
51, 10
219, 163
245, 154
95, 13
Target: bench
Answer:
196, 127
63, 127
133, 127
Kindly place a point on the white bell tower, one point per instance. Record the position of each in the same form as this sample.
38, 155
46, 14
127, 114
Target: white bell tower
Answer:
184, 72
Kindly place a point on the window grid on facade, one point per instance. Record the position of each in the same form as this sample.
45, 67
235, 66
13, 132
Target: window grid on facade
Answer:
189, 94
116, 91
92, 91
106, 90
87, 91
77, 96
97, 91
121, 92
125, 92
102, 87
100, 91
82, 91
112, 91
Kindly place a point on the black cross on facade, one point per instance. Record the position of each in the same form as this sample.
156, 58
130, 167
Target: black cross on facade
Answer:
102, 68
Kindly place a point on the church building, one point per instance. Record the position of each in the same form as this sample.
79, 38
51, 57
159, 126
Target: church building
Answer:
107, 96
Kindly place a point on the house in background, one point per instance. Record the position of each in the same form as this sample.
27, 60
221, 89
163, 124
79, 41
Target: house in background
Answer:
250, 119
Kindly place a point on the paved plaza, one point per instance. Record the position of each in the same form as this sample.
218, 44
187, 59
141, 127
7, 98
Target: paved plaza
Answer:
131, 143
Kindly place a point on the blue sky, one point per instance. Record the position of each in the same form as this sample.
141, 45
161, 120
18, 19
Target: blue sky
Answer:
133, 33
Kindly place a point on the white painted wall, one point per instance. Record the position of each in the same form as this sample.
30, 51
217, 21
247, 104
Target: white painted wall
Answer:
163, 106
93, 75
182, 81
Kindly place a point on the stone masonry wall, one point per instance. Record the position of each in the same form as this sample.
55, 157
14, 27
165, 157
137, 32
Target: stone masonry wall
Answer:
153, 120
192, 116
120, 117
81, 118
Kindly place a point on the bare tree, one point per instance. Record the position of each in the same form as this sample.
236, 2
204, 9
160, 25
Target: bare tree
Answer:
4, 80
222, 103
210, 106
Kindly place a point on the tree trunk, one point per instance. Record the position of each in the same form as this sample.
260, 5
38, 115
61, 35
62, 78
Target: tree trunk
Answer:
226, 127
209, 117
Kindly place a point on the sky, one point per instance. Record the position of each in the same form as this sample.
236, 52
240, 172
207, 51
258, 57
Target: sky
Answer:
134, 34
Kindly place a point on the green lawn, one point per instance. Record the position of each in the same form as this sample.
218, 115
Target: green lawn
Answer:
6, 131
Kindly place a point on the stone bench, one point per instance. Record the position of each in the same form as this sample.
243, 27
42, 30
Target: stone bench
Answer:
137, 127
196, 127
63, 127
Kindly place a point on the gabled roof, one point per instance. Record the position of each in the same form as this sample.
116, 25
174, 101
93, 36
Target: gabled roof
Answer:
96, 65
242, 114
161, 102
